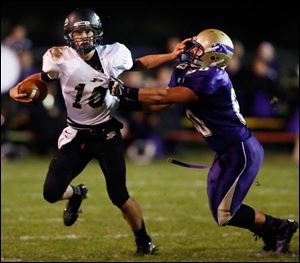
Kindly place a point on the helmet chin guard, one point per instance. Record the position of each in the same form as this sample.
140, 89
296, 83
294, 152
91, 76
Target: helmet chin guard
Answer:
88, 43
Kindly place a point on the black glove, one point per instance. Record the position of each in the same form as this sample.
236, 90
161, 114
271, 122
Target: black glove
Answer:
118, 89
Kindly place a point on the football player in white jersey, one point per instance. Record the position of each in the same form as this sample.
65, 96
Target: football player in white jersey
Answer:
84, 69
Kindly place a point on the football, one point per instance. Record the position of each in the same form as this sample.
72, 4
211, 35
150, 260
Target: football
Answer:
34, 88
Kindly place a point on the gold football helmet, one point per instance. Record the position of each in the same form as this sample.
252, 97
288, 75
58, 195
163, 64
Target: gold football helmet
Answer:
210, 48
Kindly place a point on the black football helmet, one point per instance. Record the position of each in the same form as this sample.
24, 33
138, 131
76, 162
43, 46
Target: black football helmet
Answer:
83, 19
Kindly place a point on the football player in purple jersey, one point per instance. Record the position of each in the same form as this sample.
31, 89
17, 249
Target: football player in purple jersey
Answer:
203, 85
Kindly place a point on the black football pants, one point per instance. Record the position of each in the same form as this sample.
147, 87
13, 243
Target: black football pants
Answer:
72, 158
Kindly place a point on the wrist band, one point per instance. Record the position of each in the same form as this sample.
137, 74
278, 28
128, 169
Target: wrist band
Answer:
131, 93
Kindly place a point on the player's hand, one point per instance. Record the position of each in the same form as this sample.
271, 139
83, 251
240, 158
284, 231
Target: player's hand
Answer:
180, 47
19, 97
116, 87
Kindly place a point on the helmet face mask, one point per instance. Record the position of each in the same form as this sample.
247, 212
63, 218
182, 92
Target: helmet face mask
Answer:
81, 20
83, 44
210, 48
195, 51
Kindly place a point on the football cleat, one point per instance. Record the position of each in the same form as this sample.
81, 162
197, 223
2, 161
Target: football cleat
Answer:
72, 208
269, 238
285, 232
145, 247
269, 242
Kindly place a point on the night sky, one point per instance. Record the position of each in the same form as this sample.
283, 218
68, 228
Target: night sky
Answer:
152, 22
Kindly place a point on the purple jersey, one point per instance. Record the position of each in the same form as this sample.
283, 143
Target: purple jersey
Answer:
216, 114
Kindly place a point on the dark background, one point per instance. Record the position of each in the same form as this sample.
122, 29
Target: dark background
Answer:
144, 27
150, 23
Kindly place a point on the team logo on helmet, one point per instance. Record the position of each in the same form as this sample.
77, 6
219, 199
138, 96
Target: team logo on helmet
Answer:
221, 48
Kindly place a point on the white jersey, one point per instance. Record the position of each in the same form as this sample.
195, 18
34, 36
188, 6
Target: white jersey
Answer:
87, 99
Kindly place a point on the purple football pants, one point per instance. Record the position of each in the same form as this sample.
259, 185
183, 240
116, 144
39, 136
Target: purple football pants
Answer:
231, 176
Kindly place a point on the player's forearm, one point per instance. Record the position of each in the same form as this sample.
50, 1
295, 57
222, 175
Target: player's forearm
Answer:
152, 61
152, 107
156, 96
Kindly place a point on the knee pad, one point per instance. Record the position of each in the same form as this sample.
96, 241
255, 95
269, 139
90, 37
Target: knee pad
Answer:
52, 193
50, 197
118, 199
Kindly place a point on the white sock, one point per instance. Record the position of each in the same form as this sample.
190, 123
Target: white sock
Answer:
68, 193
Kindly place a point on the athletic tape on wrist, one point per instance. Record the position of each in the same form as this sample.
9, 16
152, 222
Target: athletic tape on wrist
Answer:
132, 93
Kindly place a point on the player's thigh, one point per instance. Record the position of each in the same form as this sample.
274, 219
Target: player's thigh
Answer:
66, 164
223, 174
233, 173
112, 163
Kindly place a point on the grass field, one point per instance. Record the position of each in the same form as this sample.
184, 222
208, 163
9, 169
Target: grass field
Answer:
175, 207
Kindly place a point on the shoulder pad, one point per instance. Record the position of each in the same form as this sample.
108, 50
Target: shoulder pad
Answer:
57, 52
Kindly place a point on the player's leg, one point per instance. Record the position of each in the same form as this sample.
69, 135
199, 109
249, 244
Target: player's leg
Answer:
113, 166
223, 187
229, 181
133, 215
275, 232
231, 176
67, 163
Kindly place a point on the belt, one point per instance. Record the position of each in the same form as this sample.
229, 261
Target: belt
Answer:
98, 129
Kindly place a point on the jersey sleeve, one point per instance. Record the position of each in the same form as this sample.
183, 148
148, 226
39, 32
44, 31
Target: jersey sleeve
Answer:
50, 67
172, 82
202, 82
122, 59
